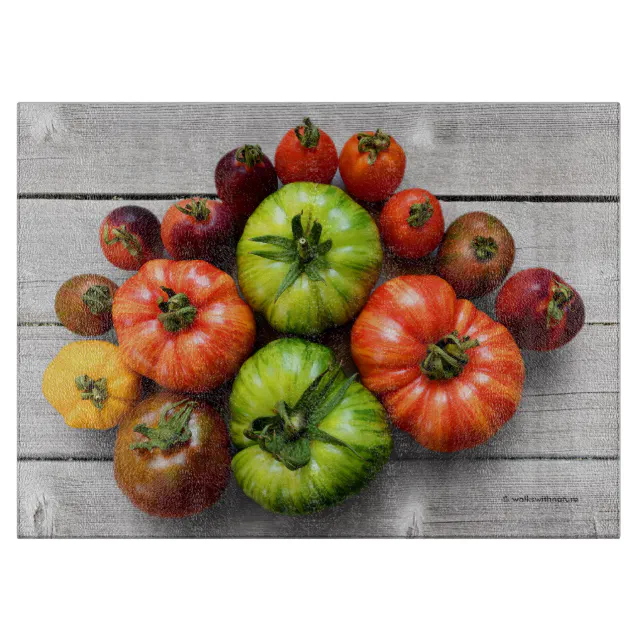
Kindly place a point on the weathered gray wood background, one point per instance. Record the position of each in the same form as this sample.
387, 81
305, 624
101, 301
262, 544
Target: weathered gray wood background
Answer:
549, 171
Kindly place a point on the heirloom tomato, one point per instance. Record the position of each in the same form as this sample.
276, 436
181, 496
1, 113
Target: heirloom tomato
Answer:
309, 436
411, 223
131, 236
171, 457
89, 384
306, 153
476, 254
308, 258
542, 311
446, 372
372, 165
183, 324
84, 304
195, 228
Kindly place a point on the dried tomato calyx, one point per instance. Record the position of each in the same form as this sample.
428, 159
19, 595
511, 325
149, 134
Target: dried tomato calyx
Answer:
98, 299
448, 357
197, 208
287, 434
420, 214
176, 312
249, 155
171, 430
304, 252
121, 234
307, 134
485, 248
561, 295
373, 143
93, 390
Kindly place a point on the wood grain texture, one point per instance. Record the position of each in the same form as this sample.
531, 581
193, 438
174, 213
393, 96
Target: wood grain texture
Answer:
407, 499
461, 149
59, 238
569, 408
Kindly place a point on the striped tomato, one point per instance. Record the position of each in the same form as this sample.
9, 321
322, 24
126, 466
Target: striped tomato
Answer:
446, 372
183, 324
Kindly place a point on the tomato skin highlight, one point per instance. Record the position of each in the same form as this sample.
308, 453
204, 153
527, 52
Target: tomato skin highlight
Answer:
371, 181
476, 254
522, 305
179, 481
403, 238
186, 237
141, 231
205, 351
244, 186
295, 162
391, 341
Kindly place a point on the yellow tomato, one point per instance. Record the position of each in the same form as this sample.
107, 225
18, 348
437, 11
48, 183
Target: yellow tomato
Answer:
90, 385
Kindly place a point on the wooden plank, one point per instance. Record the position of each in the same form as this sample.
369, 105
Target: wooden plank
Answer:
570, 404
59, 238
458, 149
408, 499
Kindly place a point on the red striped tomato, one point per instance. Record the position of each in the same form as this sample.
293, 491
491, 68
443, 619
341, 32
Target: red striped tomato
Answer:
446, 372
183, 324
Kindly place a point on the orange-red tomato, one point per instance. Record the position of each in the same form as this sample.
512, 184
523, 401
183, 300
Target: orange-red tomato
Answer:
411, 223
372, 165
306, 153
183, 324
446, 372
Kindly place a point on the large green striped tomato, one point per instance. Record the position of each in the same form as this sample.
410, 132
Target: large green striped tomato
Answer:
308, 436
308, 258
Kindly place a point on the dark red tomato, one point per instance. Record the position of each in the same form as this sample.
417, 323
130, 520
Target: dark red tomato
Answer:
244, 178
171, 457
306, 153
541, 311
475, 255
411, 223
195, 228
372, 165
131, 236
84, 304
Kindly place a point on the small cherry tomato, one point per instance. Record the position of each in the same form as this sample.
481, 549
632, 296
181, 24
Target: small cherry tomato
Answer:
372, 165
131, 236
306, 153
244, 177
171, 457
195, 228
475, 255
84, 304
541, 310
411, 223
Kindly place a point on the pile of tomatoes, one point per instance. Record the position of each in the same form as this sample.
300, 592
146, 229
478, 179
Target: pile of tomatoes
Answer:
308, 257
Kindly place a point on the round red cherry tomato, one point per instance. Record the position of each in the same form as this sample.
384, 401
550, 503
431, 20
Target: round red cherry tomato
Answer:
475, 255
195, 228
372, 165
171, 457
244, 177
131, 236
306, 153
411, 223
541, 310
446, 372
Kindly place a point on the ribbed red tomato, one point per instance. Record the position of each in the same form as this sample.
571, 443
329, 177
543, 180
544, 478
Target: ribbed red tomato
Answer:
446, 372
183, 324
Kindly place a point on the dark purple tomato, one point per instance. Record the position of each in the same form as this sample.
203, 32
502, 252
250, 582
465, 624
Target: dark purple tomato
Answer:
195, 228
244, 178
541, 311
131, 236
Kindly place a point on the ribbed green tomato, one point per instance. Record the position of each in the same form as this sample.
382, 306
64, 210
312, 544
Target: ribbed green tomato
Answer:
308, 258
309, 436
